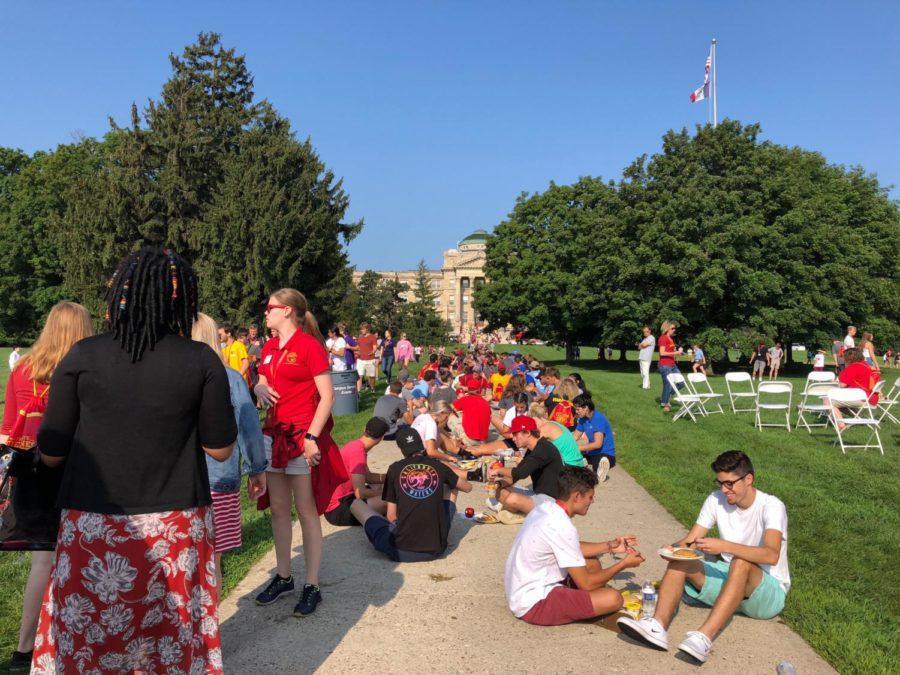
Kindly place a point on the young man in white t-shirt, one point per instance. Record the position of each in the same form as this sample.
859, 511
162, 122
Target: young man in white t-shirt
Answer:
551, 577
647, 345
752, 576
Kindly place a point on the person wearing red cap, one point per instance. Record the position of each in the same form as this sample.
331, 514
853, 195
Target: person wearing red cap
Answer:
542, 463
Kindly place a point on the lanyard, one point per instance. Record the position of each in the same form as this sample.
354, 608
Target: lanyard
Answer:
563, 506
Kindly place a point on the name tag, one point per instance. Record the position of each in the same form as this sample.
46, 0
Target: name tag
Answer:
267, 360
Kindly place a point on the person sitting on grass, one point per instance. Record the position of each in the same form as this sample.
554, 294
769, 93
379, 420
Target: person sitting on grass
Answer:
420, 493
595, 437
558, 434
362, 484
751, 575
551, 577
541, 463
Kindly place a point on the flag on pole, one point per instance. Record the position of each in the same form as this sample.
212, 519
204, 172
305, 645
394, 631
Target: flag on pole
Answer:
702, 92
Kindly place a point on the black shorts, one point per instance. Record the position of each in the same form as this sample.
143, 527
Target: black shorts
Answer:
341, 515
594, 461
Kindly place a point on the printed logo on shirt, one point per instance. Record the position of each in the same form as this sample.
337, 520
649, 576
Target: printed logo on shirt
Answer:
267, 360
419, 481
291, 358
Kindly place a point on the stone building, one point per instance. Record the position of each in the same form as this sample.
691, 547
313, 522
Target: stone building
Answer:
461, 273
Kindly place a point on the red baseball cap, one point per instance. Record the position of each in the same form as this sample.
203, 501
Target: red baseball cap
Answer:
522, 423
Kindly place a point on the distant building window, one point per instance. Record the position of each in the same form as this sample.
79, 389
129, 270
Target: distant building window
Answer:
435, 284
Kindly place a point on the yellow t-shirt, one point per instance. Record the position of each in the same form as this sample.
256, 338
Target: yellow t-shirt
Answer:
498, 384
234, 354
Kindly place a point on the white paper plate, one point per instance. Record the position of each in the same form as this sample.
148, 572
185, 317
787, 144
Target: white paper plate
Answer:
667, 553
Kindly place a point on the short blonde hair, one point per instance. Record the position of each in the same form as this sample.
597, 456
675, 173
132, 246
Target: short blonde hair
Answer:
206, 331
538, 411
666, 325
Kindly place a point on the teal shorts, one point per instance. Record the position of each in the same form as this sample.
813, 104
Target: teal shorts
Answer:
766, 601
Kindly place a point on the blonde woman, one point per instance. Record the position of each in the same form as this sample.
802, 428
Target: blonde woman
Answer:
431, 425
28, 386
225, 477
305, 465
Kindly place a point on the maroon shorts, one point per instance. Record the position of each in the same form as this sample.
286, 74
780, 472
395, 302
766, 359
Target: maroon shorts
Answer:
561, 606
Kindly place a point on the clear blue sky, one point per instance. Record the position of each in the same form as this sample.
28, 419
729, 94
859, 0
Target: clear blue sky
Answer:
438, 115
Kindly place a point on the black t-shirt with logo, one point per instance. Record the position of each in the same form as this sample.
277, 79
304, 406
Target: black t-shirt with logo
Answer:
543, 465
761, 353
416, 486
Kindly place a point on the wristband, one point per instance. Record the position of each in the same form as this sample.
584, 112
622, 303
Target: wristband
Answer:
310, 437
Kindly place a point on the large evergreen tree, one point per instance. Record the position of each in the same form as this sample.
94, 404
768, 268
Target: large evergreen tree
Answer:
423, 324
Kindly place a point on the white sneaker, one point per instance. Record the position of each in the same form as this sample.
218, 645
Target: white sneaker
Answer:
493, 504
697, 645
603, 469
649, 631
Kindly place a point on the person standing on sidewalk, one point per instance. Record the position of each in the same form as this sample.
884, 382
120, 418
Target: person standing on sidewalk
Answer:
666, 366
27, 391
751, 575
647, 346
295, 383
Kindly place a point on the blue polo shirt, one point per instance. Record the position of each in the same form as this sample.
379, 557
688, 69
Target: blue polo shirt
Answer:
590, 426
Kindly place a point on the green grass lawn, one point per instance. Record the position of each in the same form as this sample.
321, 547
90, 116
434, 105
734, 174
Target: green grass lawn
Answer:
844, 523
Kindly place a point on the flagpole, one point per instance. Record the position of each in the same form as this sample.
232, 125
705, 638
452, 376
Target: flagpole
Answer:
715, 86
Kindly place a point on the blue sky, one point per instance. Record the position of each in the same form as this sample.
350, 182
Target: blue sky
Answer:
438, 114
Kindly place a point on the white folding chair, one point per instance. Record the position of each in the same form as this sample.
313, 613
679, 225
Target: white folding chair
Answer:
856, 413
737, 390
820, 376
770, 397
700, 386
682, 394
812, 402
888, 401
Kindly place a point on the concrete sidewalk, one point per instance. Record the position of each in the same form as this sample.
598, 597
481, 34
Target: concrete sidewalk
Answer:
450, 615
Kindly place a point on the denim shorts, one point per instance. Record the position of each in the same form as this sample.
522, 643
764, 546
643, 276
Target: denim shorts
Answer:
381, 533
766, 601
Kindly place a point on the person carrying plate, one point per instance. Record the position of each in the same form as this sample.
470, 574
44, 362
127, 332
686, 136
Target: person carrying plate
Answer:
751, 575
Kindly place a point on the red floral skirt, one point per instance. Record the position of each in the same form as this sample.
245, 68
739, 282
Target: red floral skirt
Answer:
131, 593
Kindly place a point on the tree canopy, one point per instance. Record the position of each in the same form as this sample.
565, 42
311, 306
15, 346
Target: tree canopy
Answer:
732, 237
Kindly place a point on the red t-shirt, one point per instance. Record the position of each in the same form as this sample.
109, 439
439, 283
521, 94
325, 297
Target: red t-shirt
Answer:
290, 370
859, 375
667, 343
367, 344
474, 383
476, 419
354, 456
20, 391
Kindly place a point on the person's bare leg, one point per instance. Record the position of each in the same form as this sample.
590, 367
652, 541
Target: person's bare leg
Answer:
310, 526
362, 511
514, 501
38, 576
280, 503
490, 448
377, 504
672, 587
743, 578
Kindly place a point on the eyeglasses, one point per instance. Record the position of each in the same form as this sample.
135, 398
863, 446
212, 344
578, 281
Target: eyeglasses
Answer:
269, 308
729, 484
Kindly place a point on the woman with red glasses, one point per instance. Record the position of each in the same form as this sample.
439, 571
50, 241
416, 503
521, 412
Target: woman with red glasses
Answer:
304, 462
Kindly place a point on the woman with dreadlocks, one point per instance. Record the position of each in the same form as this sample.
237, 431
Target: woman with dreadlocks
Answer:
305, 465
133, 414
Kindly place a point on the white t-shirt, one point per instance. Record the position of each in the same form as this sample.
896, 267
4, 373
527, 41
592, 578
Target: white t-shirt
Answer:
337, 362
14, 359
849, 342
509, 416
646, 353
547, 544
819, 361
426, 426
747, 527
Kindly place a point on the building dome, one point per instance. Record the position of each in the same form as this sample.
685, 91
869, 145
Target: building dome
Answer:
477, 237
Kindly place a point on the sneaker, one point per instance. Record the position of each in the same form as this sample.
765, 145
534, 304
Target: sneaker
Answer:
310, 597
603, 469
493, 504
276, 588
649, 631
20, 662
696, 644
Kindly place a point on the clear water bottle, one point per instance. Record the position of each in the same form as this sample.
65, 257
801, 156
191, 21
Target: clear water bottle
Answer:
648, 600
786, 668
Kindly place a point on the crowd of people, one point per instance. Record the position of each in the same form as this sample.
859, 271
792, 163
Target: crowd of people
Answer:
152, 423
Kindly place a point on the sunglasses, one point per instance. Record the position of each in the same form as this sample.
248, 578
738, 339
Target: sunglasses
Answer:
729, 484
269, 308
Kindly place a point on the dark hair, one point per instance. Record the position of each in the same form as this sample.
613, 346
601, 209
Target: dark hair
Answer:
551, 372
429, 375
376, 428
396, 387
578, 479
445, 361
153, 292
242, 332
521, 397
432, 358
576, 377
733, 461
227, 328
444, 375
583, 400
852, 355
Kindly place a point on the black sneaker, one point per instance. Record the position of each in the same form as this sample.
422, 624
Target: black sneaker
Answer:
310, 597
276, 588
20, 662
